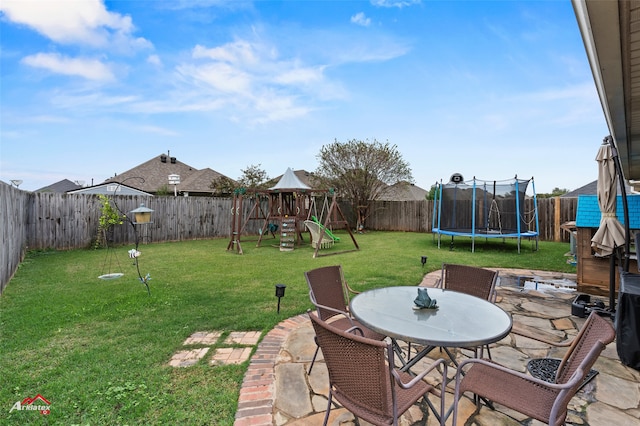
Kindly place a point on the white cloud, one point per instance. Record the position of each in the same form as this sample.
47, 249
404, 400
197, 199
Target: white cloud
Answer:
85, 22
204, 4
154, 60
255, 83
252, 79
49, 119
158, 130
220, 76
278, 108
11, 135
240, 53
193, 101
93, 101
395, 3
255, 62
360, 19
90, 69
300, 75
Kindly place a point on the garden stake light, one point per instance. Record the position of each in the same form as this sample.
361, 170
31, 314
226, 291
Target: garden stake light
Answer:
280, 293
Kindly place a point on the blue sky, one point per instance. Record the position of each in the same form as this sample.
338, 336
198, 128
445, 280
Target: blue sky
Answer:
490, 89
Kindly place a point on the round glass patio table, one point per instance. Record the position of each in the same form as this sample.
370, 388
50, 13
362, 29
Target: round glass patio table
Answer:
461, 320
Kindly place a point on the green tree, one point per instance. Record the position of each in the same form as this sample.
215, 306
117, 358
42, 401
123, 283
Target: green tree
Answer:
433, 193
222, 186
253, 177
163, 191
109, 217
360, 171
556, 192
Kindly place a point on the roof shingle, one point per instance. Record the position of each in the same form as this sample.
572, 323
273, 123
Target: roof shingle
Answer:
153, 176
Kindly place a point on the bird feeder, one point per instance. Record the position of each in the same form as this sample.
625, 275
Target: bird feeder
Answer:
142, 214
175, 181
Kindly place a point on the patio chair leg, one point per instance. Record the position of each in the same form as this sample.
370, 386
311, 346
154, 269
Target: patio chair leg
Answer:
313, 360
451, 356
326, 416
430, 407
481, 355
398, 350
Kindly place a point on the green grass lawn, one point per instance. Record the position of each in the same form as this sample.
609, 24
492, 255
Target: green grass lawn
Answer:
98, 350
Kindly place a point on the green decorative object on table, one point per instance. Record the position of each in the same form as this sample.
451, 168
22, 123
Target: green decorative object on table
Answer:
423, 301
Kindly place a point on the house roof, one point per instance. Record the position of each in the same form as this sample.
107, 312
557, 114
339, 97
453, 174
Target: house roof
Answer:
590, 189
199, 181
62, 186
109, 188
403, 191
153, 176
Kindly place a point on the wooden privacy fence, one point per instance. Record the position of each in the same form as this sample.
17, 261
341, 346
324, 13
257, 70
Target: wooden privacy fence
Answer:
63, 221
33, 221
13, 230
417, 216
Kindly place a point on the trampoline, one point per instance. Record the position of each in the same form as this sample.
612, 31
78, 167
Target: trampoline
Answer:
485, 209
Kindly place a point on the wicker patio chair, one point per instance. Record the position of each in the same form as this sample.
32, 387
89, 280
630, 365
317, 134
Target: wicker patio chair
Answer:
470, 280
547, 368
330, 294
479, 282
533, 397
363, 379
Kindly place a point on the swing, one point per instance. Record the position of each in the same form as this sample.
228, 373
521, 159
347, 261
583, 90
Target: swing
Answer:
271, 228
319, 220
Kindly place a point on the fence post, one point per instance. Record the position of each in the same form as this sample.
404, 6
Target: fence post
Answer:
556, 220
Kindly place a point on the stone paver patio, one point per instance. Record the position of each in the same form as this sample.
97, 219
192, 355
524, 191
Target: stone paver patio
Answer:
277, 390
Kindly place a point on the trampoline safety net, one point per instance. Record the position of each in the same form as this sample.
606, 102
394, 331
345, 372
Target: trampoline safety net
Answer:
486, 209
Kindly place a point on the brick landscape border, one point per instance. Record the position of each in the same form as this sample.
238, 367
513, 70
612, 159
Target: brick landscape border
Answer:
257, 393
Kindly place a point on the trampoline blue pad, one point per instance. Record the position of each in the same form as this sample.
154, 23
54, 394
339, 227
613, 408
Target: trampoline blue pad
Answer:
506, 233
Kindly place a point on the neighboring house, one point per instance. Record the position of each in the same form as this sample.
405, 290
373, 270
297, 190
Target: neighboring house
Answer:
153, 177
590, 189
65, 185
111, 188
403, 191
198, 182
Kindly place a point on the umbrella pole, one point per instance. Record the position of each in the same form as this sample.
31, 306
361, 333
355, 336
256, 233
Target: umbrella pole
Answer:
625, 206
612, 281
627, 243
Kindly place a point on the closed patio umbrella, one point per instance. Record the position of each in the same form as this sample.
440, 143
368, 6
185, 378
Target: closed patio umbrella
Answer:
610, 234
